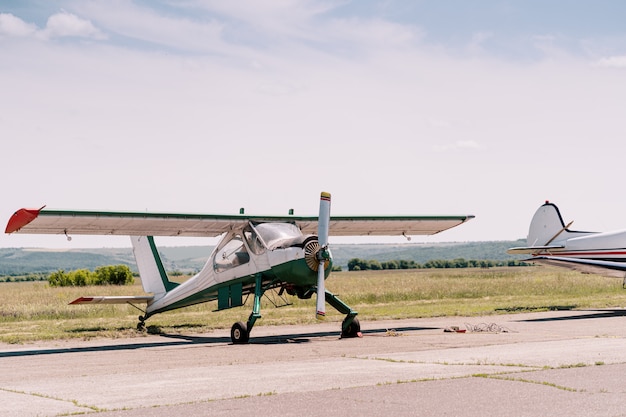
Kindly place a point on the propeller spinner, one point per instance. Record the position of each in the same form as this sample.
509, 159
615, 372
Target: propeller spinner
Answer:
322, 254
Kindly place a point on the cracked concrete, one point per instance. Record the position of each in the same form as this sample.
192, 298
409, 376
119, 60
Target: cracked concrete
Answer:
555, 363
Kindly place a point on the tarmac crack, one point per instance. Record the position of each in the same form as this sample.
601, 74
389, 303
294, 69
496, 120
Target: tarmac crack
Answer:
49, 397
528, 381
478, 362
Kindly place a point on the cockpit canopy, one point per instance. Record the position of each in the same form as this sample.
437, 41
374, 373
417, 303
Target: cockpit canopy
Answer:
259, 238
279, 235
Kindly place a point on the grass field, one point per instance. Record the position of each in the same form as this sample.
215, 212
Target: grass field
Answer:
32, 311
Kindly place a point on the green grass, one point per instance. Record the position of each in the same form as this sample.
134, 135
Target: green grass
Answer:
34, 311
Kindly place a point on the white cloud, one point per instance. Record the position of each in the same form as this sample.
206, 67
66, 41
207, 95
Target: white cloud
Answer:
189, 33
65, 24
613, 62
59, 25
282, 17
12, 26
477, 42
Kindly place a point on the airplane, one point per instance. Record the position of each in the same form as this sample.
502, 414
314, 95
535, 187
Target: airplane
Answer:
550, 241
255, 254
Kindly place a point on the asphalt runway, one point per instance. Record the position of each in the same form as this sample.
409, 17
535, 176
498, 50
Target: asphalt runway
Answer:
563, 363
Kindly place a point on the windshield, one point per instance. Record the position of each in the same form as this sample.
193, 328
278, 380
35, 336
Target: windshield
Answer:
275, 233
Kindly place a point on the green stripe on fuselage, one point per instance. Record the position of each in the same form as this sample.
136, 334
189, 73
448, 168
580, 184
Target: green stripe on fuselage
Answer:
293, 272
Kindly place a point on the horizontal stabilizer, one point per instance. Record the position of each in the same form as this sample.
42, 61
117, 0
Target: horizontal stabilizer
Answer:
532, 249
114, 299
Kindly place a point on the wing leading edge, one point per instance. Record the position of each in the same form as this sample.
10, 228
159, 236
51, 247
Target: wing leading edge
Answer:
47, 221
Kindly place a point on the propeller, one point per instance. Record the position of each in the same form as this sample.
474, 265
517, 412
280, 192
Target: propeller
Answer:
323, 254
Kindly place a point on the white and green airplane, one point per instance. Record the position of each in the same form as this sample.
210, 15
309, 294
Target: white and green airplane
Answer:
254, 255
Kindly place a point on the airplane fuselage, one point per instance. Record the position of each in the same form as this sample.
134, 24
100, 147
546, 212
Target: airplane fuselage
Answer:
600, 246
272, 254
551, 241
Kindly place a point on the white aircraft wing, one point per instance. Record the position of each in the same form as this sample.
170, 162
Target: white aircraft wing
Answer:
70, 222
590, 266
45, 221
387, 225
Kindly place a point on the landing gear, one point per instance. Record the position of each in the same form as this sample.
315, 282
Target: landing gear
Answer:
239, 333
351, 329
141, 326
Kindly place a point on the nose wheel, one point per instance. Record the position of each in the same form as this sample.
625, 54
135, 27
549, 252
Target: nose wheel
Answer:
352, 329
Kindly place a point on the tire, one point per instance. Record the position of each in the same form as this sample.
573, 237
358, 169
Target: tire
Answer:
239, 334
353, 329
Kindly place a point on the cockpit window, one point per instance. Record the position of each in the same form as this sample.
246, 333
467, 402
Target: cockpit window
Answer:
255, 243
232, 254
275, 233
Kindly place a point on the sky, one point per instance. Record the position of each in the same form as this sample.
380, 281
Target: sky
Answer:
487, 108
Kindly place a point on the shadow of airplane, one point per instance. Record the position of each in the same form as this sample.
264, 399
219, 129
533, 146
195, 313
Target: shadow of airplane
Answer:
599, 314
187, 340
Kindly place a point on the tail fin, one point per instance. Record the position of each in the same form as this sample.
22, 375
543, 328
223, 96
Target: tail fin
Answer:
153, 276
547, 227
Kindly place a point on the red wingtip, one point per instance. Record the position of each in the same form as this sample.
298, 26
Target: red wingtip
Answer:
21, 218
82, 300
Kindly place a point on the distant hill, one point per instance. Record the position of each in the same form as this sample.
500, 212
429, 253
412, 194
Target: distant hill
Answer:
187, 259
25, 261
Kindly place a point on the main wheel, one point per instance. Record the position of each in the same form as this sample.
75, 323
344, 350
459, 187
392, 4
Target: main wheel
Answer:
141, 326
353, 329
239, 333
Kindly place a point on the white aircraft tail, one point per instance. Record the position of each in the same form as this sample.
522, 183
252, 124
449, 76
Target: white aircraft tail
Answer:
153, 276
547, 227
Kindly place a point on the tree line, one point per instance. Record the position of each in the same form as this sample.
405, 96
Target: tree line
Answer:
357, 264
103, 275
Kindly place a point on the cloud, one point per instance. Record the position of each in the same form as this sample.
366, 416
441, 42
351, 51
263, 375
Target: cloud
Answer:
478, 41
59, 25
192, 32
65, 24
612, 62
11, 26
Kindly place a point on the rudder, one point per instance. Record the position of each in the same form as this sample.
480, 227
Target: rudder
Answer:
153, 276
547, 227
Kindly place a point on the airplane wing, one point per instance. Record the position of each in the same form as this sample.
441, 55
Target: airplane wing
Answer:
387, 225
590, 266
49, 221
45, 221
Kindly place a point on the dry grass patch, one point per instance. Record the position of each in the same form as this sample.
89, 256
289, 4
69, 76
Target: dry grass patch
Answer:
34, 311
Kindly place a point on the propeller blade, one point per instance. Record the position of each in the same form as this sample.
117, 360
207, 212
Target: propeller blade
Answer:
320, 312
323, 220
322, 237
